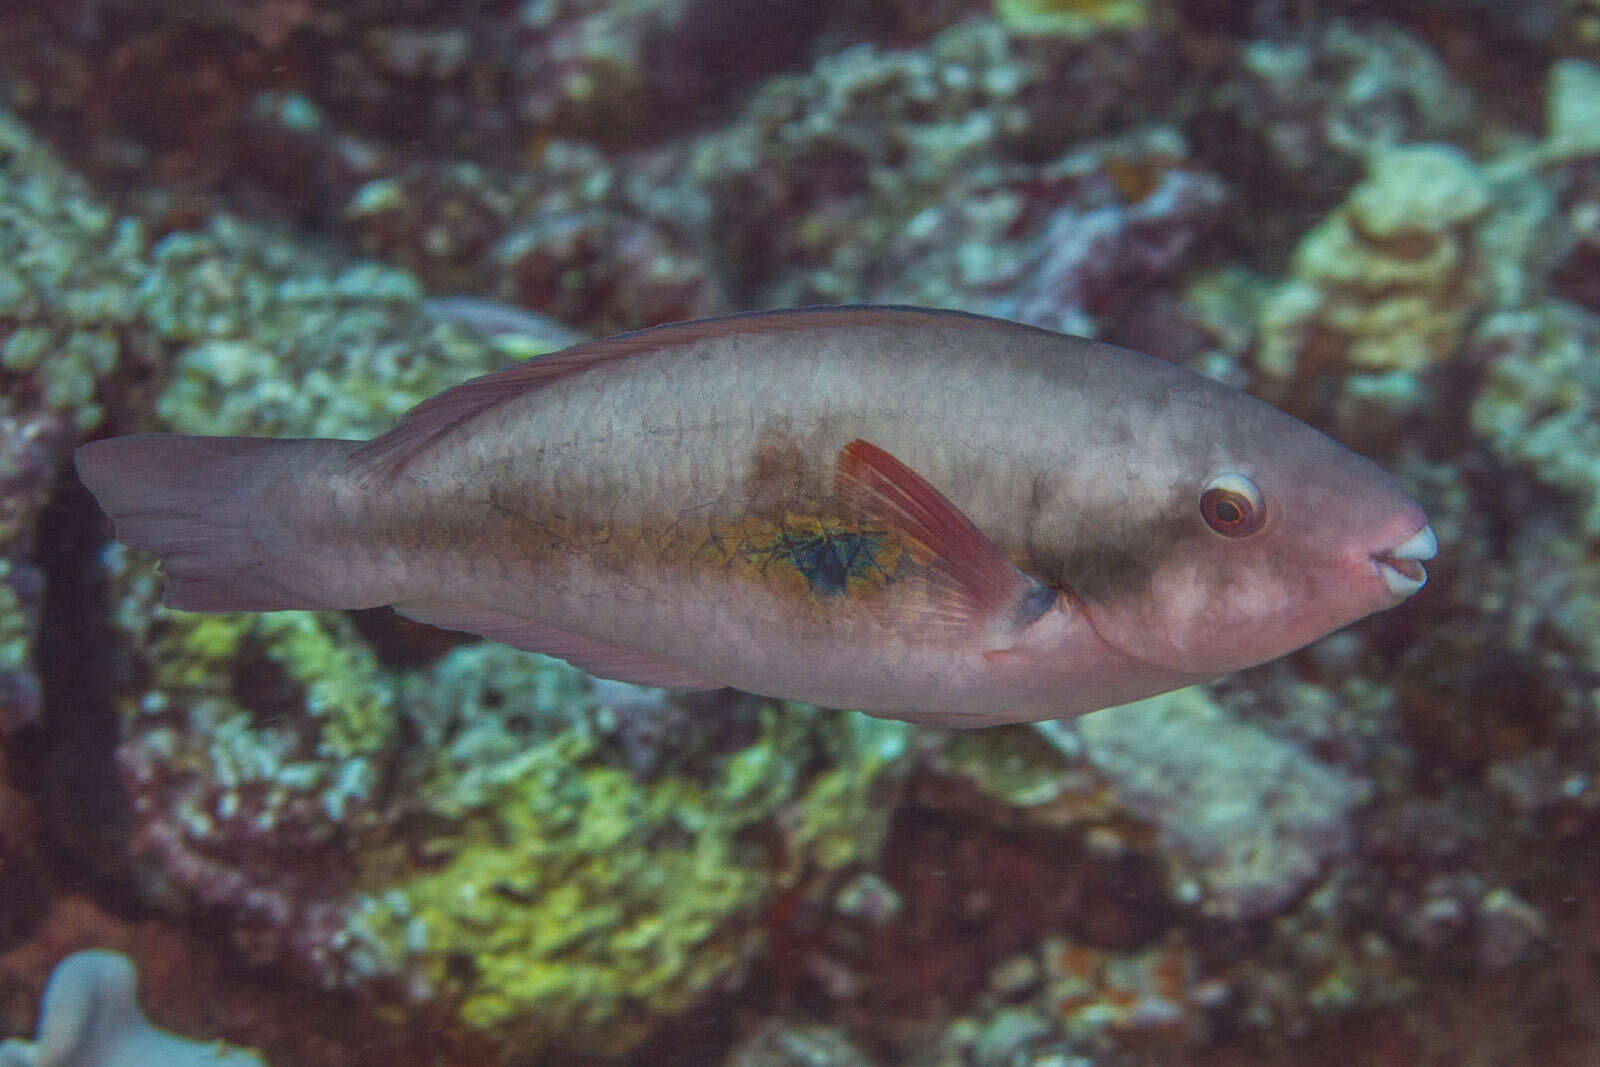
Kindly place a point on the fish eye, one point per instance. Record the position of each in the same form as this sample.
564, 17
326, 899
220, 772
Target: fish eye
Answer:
1232, 505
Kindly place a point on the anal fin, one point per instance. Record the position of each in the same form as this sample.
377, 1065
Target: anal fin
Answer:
599, 658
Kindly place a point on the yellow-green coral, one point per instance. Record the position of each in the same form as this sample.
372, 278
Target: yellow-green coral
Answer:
348, 696
1072, 18
1020, 767
71, 278
320, 360
15, 635
1389, 280
835, 823
587, 904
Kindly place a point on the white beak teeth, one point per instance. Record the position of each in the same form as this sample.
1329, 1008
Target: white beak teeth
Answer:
1401, 585
1420, 545
1399, 568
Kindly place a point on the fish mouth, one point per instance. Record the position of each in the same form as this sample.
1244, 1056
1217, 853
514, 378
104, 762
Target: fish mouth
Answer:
1399, 567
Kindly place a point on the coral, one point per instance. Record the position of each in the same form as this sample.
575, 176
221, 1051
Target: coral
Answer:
1390, 280
1248, 826
1072, 18
462, 78
1385, 288
1110, 223
251, 758
258, 750
800, 186
252, 743
466, 848
1321, 962
1572, 110
69, 287
237, 305
1067, 1003
1093, 991
69, 281
1293, 122
1026, 769
90, 1018
31, 451
634, 69
782, 1044
1539, 405
890, 175
558, 237
1090, 263
221, 310
593, 904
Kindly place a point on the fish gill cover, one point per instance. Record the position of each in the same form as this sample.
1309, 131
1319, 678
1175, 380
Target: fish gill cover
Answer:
227, 222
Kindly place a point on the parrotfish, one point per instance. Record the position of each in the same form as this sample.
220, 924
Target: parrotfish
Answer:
926, 515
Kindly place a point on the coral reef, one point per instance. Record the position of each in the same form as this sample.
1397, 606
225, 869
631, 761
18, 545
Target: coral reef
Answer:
1251, 822
1539, 405
69, 288
443, 852
1072, 18
1124, 218
1070, 1003
593, 904
32, 449
1293, 123
257, 750
1387, 284
68, 292
251, 762
780, 1045
813, 202
557, 239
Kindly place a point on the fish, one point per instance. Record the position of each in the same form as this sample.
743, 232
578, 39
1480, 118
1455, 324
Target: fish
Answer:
922, 514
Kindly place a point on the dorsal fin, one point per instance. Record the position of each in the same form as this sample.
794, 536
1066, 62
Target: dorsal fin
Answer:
389, 454
972, 586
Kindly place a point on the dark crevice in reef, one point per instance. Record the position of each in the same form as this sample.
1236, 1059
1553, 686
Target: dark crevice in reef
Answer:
76, 657
402, 644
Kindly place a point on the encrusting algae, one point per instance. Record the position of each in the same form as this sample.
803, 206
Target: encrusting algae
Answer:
592, 905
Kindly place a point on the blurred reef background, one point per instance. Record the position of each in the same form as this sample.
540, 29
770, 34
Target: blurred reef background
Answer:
349, 840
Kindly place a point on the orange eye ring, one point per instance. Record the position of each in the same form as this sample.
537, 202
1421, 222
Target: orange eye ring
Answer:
1232, 506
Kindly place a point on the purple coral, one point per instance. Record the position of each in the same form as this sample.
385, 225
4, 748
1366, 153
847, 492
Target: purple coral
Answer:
1093, 264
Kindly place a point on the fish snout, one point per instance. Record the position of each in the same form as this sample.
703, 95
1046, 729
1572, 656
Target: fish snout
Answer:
1400, 567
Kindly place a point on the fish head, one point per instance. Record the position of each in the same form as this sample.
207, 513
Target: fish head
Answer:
1262, 536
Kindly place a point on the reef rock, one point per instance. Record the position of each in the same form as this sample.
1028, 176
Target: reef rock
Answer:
1252, 819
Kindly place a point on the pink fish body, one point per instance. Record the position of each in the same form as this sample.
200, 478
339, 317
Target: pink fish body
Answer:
921, 514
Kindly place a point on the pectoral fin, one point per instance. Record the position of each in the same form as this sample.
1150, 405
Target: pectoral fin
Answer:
970, 589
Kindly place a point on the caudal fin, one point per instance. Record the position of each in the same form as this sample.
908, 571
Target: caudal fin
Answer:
214, 510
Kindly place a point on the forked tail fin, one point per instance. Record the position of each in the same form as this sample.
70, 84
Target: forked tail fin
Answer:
220, 512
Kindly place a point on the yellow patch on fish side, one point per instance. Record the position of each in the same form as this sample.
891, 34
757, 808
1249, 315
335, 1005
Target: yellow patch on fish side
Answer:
821, 557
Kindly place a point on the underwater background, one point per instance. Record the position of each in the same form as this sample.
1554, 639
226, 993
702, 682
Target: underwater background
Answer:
346, 839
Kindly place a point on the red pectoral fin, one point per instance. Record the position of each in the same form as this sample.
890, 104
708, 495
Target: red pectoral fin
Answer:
970, 584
